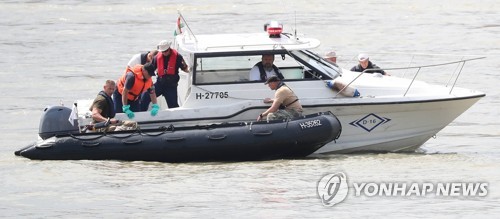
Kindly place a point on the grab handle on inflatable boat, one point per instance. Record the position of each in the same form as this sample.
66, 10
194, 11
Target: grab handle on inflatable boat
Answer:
263, 133
137, 141
176, 138
217, 137
90, 144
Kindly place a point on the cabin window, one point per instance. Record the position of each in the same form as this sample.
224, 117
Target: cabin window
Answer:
236, 69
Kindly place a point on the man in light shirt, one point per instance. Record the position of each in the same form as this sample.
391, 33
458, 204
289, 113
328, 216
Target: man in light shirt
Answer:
142, 58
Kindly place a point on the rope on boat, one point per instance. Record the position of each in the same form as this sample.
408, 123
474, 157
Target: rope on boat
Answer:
75, 137
165, 130
119, 135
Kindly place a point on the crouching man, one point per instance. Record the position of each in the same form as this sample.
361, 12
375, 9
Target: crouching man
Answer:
285, 104
103, 111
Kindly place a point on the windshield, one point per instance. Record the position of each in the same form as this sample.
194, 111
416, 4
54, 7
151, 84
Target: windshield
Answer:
237, 67
317, 64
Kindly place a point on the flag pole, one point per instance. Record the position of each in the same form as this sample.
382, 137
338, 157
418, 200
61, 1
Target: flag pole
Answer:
184, 20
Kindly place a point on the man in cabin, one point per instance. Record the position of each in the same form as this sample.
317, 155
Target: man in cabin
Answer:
103, 110
264, 69
167, 62
131, 85
365, 63
285, 104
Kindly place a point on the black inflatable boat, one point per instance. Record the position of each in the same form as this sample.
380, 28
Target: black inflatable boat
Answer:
238, 141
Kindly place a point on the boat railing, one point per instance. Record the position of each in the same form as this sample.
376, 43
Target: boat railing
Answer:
242, 46
270, 46
461, 64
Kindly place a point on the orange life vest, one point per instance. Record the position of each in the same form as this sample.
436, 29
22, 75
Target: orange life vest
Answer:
172, 62
140, 83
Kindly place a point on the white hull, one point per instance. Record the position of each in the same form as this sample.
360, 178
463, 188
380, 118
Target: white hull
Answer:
410, 125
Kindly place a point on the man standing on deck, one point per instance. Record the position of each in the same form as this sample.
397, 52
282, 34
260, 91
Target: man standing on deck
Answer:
167, 62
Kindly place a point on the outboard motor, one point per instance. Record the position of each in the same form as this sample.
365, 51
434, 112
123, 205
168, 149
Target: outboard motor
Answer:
54, 121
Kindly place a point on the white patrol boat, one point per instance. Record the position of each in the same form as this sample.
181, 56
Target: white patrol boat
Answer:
392, 114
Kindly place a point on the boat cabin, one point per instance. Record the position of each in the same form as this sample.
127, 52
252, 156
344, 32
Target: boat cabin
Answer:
226, 59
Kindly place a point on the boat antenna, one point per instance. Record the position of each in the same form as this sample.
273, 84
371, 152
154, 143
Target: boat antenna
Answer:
295, 24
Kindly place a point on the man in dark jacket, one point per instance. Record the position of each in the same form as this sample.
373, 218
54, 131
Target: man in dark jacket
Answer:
264, 69
364, 63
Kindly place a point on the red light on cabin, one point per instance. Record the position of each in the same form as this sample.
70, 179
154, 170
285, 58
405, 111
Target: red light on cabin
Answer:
274, 29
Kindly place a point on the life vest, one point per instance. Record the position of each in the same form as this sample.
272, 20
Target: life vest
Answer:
140, 83
144, 58
263, 75
282, 106
110, 112
172, 62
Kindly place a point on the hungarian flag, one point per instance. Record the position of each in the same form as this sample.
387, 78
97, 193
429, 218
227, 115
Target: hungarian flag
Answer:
178, 27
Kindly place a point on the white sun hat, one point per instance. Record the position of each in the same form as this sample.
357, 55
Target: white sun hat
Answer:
163, 45
362, 57
331, 54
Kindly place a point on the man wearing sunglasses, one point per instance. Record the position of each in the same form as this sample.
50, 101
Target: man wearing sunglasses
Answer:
167, 62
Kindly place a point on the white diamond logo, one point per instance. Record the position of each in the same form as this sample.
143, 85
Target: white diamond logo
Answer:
370, 122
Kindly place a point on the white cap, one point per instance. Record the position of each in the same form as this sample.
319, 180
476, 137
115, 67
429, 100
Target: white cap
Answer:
362, 57
163, 45
330, 54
